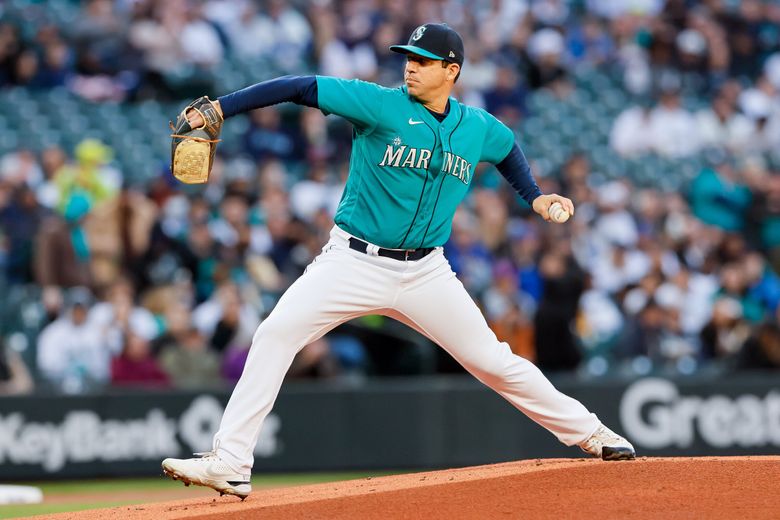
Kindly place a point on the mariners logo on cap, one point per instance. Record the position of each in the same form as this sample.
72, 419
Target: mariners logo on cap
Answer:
418, 33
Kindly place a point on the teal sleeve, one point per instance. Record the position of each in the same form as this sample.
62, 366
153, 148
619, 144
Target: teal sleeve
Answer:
360, 102
498, 142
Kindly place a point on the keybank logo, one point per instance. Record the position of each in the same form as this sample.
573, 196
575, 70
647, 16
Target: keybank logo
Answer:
655, 415
83, 436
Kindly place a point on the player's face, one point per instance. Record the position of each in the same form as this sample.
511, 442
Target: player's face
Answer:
425, 77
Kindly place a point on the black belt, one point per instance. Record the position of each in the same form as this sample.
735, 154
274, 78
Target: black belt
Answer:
396, 254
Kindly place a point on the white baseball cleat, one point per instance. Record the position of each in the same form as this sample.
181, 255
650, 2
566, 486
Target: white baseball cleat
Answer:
210, 471
608, 445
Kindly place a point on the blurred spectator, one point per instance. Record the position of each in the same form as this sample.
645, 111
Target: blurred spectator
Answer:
341, 48
768, 205
643, 335
672, 128
718, 197
545, 67
760, 105
57, 59
721, 126
184, 353
506, 100
89, 178
199, 41
180, 49
615, 225
726, 333
10, 47
741, 25
762, 349
599, 320
315, 193
556, 346
119, 315
21, 168
135, 365
590, 42
630, 134
467, 255
763, 284
61, 247
118, 232
73, 354
314, 360
479, 73
266, 138
224, 320
21, 220
734, 284
99, 37
15, 378
53, 302
524, 243
47, 192
618, 268
278, 32
190, 362
694, 294
509, 311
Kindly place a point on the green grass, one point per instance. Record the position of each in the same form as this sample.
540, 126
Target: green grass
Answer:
17, 511
107, 486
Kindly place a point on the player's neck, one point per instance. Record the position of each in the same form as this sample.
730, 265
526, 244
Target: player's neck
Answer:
438, 105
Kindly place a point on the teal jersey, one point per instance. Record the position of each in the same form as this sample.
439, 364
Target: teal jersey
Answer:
408, 172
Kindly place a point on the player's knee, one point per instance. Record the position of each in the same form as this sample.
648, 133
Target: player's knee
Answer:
501, 364
272, 332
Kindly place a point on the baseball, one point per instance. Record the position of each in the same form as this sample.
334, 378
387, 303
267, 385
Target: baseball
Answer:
558, 213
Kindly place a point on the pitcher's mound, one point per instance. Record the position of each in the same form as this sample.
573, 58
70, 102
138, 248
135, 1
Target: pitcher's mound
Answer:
708, 487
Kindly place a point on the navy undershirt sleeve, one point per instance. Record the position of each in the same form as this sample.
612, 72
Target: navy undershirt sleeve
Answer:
301, 90
516, 170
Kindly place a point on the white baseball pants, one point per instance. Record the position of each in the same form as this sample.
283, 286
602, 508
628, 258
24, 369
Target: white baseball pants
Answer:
341, 284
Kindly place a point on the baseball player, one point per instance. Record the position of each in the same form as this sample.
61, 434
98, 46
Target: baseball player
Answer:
414, 151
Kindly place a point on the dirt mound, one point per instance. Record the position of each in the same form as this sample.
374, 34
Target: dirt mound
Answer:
708, 487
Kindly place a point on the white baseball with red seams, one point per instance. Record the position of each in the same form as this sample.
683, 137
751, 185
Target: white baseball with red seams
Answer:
558, 213
342, 284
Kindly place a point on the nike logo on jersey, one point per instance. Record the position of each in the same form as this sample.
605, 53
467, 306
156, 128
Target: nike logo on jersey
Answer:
413, 122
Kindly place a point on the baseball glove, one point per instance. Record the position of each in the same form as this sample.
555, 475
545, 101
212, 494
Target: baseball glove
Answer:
193, 149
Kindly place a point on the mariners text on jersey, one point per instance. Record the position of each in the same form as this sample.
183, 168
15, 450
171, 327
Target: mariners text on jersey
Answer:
406, 157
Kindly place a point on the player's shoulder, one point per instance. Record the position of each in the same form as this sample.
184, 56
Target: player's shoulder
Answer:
358, 85
480, 114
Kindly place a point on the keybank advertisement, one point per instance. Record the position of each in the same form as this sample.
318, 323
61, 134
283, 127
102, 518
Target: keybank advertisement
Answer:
109, 435
378, 426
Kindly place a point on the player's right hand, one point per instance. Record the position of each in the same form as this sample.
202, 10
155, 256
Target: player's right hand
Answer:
542, 203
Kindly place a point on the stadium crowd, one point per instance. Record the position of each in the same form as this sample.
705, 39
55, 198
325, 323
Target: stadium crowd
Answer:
161, 284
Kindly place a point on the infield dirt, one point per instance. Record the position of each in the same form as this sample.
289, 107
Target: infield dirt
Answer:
668, 488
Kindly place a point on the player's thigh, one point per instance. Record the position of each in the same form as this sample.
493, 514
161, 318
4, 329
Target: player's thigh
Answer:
333, 289
442, 310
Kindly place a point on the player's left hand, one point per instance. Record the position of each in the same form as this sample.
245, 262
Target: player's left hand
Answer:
542, 205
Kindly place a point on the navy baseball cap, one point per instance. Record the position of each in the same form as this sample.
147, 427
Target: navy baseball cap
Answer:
437, 41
